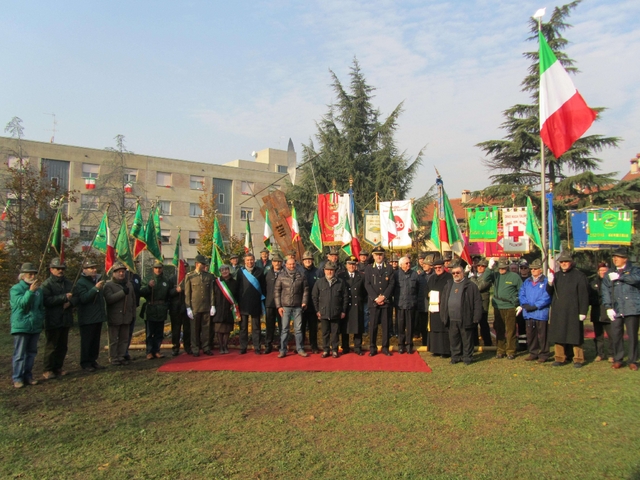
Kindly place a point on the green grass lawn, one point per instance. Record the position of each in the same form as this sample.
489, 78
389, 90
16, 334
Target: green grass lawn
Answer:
493, 419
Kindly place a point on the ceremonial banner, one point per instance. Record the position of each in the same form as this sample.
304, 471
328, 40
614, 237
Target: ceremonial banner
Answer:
515, 240
333, 209
372, 227
579, 233
490, 249
610, 227
483, 224
402, 215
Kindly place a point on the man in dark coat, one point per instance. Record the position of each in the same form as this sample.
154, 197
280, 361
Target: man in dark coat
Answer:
198, 297
364, 260
598, 314
121, 311
330, 298
58, 318
380, 283
263, 262
425, 272
353, 324
180, 322
474, 275
136, 281
438, 341
460, 311
251, 295
271, 312
405, 300
158, 291
292, 295
92, 313
621, 298
309, 318
569, 290
225, 303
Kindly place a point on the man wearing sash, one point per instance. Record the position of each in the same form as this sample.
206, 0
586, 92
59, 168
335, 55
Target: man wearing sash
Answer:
198, 296
251, 290
224, 295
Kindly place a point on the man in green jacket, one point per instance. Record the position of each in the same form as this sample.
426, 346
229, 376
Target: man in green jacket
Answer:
58, 318
27, 318
158, 291
92, 314
506, 286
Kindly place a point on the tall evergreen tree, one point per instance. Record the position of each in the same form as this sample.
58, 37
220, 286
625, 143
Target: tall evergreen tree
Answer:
353, 141
517, 156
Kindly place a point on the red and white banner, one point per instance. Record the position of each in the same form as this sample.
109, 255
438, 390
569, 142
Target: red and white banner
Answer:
514, 222
402, 215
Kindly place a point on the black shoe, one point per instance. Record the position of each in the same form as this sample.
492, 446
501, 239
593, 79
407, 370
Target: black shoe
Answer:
89, 369
558, 364
334, 354
499, 355
257, 351
401, 351
453, 362
359, 353
387, 353
174, 353
315, 350
345, 351
372, 353
97, 366
511, 357
128, 358
196, 354
410, 351
325, 354
268, 350
209, 352
243, 351
468, 362
577, 365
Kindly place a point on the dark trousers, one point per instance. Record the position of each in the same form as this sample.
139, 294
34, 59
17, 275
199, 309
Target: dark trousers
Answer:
393, 321
200, 326
310, 323
155, 334
461, 341
404, 320
485, 331
537, 341
132, 327
180, 322
330, 331
272, 317
55, 350
617, 334
244, 332
89, 344
423, 322
346, 345
504, 324
378, 316
521, 339
599, 329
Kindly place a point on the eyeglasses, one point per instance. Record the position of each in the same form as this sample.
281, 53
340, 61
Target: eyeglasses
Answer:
524, 267
438, 267
456, 273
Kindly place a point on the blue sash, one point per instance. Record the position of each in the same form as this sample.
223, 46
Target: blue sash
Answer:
254, 282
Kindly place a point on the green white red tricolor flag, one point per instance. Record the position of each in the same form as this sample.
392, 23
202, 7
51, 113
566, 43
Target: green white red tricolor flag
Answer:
392, 228
293, 224
248, 243
564, 115
104, 243
268, 231
178, 261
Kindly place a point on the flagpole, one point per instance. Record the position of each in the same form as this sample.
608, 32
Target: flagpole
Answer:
46, 248
86, 253
545, 261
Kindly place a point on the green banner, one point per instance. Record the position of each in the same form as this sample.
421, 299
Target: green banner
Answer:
610, 227
483, 224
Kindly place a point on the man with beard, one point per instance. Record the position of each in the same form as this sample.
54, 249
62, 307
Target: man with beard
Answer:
569, 290
224, 310
58, 318
621, 298
331, 300
251, 290
27, 318
271, 312
356, 296
438, 341
291, 294
121, 311
309, 318
380, 283
461, 310
92, 314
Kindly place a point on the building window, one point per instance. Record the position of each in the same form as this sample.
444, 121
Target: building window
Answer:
14, 162
164, 207
130, 204
246, 213
195, 210
165, 236
55, 182
88, 202
130, 176
194, 237
87, 232
246, 188
282, 169
89, 170
197, 183
220, 199
163, 179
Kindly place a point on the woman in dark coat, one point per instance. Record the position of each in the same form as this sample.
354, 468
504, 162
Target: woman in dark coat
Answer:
223, 319
438, 340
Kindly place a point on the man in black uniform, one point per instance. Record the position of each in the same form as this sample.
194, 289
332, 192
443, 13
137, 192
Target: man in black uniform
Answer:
356, 296
309, 318
380, 283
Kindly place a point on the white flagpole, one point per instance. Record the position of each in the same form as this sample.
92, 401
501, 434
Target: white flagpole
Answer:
545, 261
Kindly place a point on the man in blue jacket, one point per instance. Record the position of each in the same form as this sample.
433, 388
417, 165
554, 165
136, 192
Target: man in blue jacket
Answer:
534, 305
27, 319
621, 298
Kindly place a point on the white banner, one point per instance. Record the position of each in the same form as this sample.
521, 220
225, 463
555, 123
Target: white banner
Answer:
515, 239
402, 213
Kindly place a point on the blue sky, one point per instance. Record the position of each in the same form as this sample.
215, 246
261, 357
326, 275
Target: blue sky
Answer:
212, 81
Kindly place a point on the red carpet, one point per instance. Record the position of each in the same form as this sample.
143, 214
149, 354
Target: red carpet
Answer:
293, 362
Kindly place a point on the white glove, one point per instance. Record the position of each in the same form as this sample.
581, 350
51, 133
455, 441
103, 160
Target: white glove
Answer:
467, 269
611, 314
471, 274
190, 313
518, 311
613, 276
582, 317
212, 312
492, 262
550, 277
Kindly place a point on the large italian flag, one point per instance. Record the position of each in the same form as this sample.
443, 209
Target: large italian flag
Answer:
564, 115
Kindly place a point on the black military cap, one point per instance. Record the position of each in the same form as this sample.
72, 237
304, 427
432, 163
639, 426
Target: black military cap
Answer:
378, 249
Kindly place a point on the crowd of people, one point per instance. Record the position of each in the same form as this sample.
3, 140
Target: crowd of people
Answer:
439, 302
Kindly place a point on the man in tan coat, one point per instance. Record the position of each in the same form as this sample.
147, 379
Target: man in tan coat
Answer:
198, 296
121, 311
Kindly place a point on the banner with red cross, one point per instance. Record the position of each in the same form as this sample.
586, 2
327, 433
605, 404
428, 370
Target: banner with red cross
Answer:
514, 222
